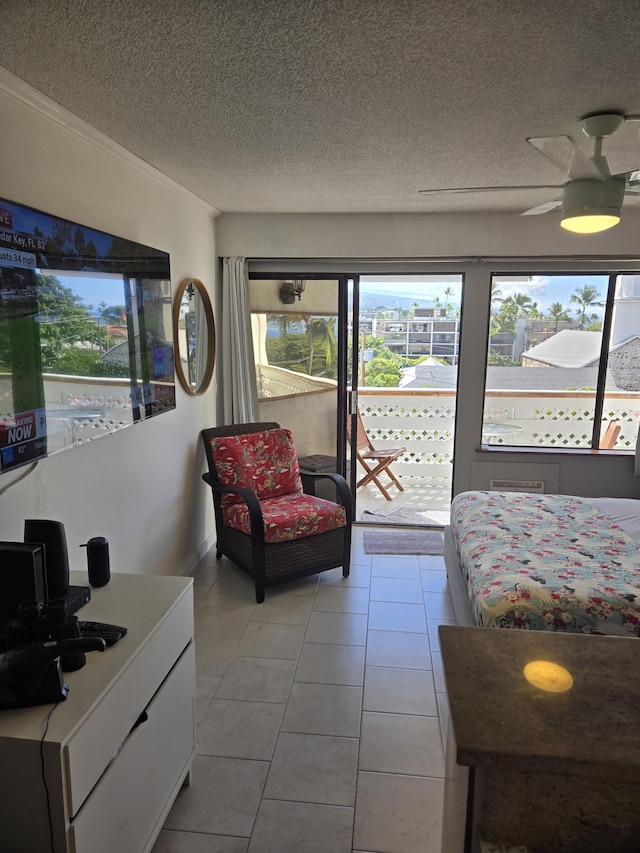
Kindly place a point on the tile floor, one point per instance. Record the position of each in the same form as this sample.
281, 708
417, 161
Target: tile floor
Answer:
321, 713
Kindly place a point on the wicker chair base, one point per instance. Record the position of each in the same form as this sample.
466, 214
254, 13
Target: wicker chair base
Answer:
285, 561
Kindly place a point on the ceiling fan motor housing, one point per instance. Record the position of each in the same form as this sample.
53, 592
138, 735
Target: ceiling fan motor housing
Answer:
583, 198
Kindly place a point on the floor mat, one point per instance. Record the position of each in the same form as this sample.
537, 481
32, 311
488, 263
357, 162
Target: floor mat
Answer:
399, 542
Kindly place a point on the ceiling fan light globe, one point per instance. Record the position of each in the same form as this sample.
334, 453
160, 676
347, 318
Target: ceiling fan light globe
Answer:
589, 223
590, 206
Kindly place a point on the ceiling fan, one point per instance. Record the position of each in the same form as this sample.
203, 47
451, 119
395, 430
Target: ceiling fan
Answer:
593, 194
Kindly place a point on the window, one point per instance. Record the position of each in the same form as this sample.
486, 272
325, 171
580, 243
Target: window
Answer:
563, 361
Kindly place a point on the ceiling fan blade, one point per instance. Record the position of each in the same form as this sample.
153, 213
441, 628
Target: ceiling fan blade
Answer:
461, 190
565, 154
622, 149
545, 207
558, 149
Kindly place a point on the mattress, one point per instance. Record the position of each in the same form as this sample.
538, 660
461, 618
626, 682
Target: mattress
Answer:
550, 562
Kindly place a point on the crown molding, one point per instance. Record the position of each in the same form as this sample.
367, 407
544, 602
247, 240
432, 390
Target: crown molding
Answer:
22, 91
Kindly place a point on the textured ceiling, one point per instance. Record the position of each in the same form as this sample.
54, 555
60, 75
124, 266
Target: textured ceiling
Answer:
333, 105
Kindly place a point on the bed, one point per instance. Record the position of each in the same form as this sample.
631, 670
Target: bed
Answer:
545, 562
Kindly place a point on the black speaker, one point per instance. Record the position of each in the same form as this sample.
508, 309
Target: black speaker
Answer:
22, 577
56, 559
98, 561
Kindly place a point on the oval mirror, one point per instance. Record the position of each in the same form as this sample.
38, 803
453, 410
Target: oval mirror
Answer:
194, 336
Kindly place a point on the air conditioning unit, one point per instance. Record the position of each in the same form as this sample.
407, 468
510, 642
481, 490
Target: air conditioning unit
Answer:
535, 486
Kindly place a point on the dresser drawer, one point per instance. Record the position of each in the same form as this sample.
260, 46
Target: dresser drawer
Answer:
128, 806
91, 747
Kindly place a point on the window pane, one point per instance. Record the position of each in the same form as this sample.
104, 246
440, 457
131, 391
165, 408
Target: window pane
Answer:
542, 366
622, 394
296, 353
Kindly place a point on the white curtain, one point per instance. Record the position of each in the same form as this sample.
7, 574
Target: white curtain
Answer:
637, 459
239, 392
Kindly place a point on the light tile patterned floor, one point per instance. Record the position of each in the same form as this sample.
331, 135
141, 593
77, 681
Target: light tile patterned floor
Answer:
321, 713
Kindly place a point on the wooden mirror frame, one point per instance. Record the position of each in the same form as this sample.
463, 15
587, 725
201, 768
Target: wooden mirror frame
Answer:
211, 336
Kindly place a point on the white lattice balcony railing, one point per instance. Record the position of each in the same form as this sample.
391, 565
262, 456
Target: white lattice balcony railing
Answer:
562, 419
280, 382
422, 421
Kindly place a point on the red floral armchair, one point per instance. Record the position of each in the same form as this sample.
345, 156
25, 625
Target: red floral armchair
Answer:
266, 522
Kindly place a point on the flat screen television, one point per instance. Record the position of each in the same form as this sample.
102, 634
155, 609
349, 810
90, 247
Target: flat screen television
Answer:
86, 342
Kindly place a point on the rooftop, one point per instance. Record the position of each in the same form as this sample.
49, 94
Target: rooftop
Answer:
569, 348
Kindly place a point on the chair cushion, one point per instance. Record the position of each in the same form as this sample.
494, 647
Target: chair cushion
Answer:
289, 517
264, 462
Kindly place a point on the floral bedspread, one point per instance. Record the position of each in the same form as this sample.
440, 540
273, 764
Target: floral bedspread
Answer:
546, 562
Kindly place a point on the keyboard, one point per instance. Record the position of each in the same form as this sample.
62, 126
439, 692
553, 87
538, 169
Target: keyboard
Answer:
109, 633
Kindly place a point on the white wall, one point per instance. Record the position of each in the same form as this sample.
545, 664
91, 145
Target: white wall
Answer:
416, 236
375, 242
141, 487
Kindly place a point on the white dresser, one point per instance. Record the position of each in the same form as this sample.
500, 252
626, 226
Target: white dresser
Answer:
110, 782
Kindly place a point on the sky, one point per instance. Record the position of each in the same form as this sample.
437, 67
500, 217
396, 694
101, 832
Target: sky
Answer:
558, 288
95, 289
541, 289
420, 288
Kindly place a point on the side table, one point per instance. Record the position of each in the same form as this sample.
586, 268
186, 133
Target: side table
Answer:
553, 765
320, 463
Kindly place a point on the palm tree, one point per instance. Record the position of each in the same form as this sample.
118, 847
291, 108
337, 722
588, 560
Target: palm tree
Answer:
448, 292
321, 331
585, 297
522, 304
557, 312
496, 299
512, 308
534, 311
496, 293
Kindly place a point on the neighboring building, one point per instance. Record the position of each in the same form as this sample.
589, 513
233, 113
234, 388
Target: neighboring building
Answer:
624, 363
502, 344
538, 378
529, 333
575, 349
624, 356
569, 348
421, 335
435, 313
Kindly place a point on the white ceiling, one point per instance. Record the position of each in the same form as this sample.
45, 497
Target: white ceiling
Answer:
333, 105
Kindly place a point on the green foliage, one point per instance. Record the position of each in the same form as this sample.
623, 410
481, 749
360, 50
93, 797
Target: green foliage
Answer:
305, 344
385, 314
496, 359
77, 362
558, 313
78, 328
63, 331
383, 371
584, 298
503, 319
71, 245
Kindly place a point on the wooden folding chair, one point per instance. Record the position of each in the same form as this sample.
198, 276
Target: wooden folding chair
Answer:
610, 435
374, 462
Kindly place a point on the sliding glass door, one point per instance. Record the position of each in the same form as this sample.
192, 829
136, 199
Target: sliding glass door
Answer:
405, 340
